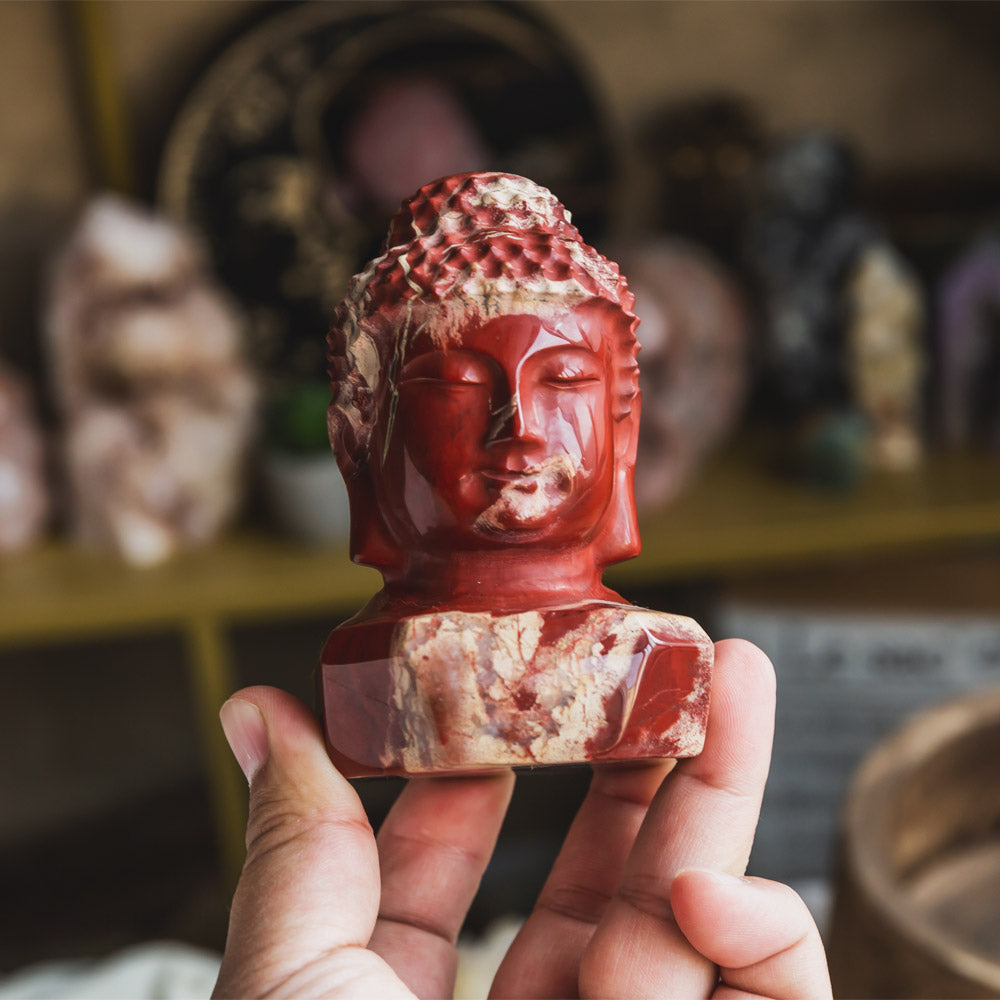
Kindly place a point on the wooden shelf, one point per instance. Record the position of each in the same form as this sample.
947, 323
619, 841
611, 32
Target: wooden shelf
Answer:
736, 519
59, 590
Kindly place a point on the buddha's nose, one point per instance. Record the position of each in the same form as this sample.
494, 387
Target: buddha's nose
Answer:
512, 421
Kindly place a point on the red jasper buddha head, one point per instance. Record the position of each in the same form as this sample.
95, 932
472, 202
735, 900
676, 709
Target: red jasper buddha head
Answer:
485, 382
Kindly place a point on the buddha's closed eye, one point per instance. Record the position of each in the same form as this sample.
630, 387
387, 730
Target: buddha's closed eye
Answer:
570, 369
571, 378
448, 368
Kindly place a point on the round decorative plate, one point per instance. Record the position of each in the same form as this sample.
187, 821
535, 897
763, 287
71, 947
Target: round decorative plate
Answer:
263, 158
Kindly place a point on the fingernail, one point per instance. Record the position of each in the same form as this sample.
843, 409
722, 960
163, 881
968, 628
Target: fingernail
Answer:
246, 733
720, 877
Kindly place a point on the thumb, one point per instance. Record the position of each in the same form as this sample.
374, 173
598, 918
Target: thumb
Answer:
308, 897
759, 933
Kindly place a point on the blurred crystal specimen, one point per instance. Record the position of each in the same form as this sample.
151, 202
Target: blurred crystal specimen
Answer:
24, 498
408, 130
886, 355
694, 336
157, 400
969, 346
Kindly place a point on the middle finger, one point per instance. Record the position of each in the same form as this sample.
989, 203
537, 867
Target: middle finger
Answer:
544, 959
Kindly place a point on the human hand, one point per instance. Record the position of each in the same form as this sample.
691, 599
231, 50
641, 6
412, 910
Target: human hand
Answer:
644, 899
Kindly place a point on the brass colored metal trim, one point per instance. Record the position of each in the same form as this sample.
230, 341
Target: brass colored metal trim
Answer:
103, 98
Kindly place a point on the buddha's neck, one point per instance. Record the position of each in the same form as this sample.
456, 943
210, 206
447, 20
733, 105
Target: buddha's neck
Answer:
504, 580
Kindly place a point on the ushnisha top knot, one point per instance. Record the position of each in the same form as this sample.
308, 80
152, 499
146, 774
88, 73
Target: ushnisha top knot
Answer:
468, 203
490, 240
465, 248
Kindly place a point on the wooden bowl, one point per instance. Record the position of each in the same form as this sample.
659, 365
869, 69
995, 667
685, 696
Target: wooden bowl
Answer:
917, 908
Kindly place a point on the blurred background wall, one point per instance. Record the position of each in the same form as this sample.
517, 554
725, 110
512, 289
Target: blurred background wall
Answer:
915, 85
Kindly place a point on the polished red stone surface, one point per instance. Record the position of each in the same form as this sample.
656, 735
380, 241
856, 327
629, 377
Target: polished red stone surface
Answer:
485, 416
454, 691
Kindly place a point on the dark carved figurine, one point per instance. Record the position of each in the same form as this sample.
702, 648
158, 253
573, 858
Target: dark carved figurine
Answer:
843, 312
485, 416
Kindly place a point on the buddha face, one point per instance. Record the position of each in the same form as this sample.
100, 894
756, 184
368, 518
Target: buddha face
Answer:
504, 436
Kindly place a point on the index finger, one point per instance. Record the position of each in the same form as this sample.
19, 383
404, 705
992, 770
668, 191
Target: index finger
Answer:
704, 816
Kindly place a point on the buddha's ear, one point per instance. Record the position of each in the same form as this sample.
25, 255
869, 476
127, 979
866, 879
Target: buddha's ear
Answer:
347, 440
371, 544
619, 539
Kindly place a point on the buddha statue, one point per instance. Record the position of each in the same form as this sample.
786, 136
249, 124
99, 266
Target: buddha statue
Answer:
485, 416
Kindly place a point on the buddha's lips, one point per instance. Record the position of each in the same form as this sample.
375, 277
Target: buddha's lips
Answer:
519, 478
527, 495
564, 464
